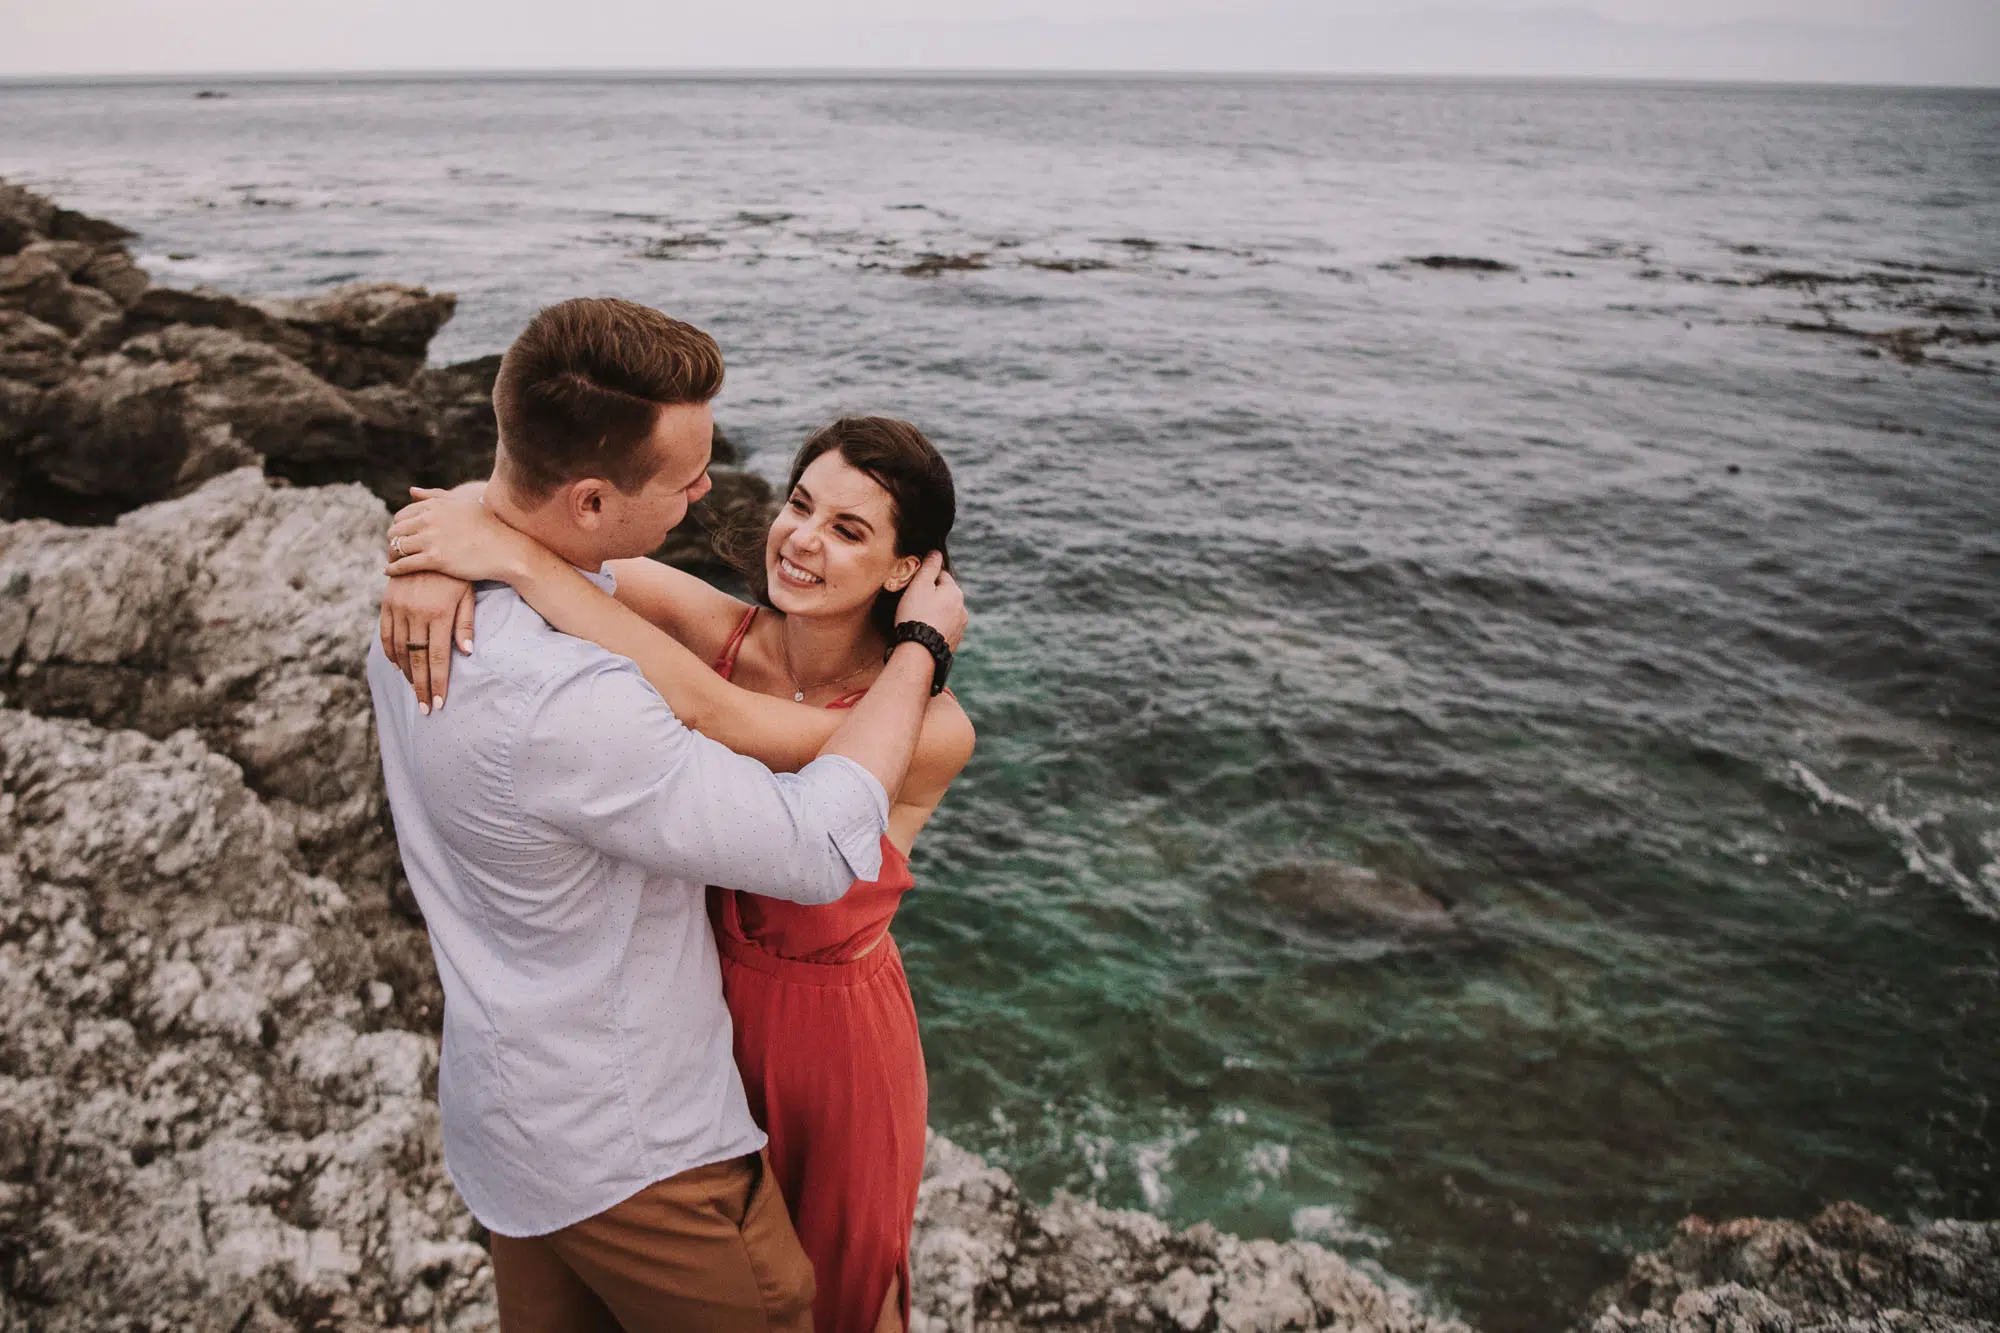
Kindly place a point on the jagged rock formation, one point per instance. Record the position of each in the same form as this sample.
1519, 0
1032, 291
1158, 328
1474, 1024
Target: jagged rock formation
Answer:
115, 393
242, 612
209, 1115
986, 1260
1846, 1271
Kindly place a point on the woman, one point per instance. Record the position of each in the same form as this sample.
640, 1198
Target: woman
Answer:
826, 1034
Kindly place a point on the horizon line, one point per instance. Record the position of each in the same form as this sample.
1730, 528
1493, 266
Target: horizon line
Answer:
861, 73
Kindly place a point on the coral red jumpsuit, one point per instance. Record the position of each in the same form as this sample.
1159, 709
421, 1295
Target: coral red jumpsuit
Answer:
826, 1038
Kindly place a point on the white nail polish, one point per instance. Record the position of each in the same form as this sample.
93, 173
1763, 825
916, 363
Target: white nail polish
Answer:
437, 701
465, 646
423, 708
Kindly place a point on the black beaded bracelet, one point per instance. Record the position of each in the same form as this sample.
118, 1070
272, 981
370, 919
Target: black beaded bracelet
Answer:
917, 632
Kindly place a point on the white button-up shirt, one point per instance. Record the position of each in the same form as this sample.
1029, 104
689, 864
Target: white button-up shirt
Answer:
558, 824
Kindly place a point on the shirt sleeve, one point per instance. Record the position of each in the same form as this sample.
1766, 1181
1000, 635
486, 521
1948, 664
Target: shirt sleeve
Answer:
602, 758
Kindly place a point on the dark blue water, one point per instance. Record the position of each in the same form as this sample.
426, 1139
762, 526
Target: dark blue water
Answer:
1638, 602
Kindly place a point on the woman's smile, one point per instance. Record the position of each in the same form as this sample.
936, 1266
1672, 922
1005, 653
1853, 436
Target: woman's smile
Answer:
797, 576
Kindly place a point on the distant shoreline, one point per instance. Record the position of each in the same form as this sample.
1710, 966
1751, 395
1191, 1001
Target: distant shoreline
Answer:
971, 76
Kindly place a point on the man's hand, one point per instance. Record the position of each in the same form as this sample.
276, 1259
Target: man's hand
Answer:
423, 616
934, 597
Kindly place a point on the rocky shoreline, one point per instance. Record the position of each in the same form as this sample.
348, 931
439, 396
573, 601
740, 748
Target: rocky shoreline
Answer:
218, 1056
115, 393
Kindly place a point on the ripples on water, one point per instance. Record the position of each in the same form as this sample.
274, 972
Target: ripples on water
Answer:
1654, 637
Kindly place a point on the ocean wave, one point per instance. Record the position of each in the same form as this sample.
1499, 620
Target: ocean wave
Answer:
1921, 839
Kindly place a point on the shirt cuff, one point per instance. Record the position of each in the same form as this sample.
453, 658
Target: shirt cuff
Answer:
859, 840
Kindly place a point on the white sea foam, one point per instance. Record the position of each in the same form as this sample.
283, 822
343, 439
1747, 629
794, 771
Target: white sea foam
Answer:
1150, 1161
1919, 838
1331, 1225
1265, 1162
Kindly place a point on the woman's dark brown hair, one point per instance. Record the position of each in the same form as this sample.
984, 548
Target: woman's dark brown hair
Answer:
902, 462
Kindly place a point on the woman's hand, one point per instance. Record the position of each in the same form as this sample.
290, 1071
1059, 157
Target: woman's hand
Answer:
423, 615
451, 532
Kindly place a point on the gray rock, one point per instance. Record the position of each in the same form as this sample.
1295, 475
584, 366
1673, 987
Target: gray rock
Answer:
37, 282
1846, 1271
115, 393
458, 404
204, 307
204, 1127
115, 434
113, 271
984, 1259
306, 430
353, 337
25, 217
171, 408
67, 225
368, 332
242, 611
33, 351
70, 256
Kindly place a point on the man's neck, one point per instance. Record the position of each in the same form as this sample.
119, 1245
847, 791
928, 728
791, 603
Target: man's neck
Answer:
542, 523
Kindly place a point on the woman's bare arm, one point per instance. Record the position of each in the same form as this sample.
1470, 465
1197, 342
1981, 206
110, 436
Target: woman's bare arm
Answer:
695, 612
943, 748
456, 536
782, 734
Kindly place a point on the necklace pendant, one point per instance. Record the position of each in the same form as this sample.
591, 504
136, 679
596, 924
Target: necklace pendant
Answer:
798, 696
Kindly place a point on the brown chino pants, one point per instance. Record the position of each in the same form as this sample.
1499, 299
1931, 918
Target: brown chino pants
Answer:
708, 1249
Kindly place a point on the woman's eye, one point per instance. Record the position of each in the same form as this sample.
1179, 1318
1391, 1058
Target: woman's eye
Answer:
798, 505
849, 533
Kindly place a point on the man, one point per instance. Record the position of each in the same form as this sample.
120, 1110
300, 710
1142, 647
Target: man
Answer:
558, 826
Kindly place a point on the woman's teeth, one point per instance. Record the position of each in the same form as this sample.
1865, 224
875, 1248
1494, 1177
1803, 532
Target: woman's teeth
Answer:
793, 572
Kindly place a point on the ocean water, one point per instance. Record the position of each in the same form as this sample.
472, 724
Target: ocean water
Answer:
1631, 600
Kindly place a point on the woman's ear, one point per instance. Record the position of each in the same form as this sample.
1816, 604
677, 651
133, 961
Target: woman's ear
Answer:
901, 573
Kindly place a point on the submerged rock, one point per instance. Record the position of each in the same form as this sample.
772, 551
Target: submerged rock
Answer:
1333, 893
929, 265
1464, 264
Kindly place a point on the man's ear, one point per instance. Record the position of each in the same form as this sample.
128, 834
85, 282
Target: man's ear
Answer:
584, 502
901, 573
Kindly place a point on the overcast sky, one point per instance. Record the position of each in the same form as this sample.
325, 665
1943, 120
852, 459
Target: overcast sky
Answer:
1896, 41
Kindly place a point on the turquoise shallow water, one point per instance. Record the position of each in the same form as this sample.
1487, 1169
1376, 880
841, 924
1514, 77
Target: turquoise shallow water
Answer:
1654, 635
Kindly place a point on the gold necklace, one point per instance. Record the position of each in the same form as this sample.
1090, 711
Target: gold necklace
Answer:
798, 690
